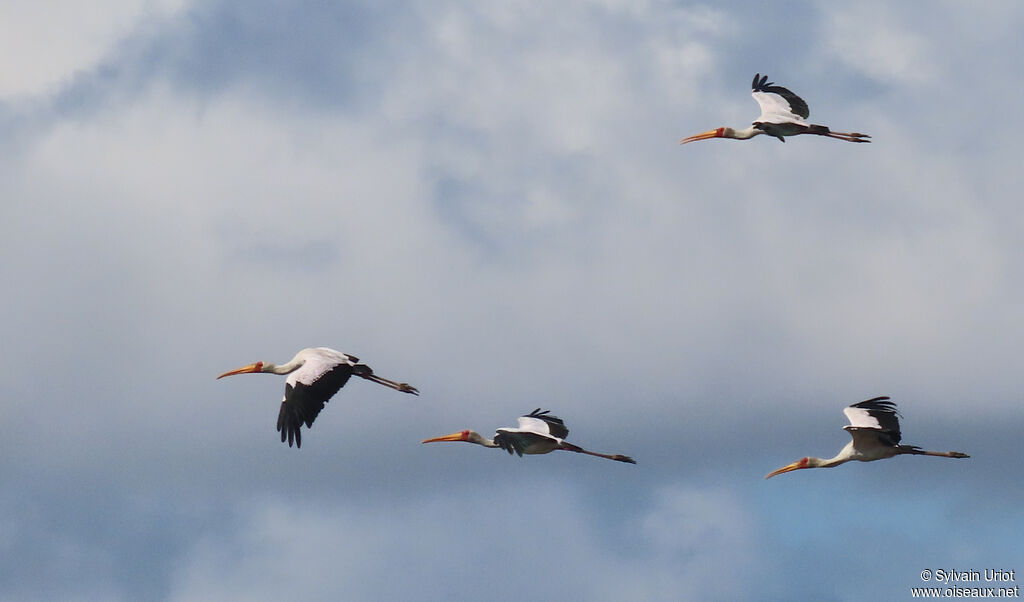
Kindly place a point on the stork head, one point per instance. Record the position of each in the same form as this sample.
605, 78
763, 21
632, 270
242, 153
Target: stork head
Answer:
466, 435
801, 463
715, 133
257, 367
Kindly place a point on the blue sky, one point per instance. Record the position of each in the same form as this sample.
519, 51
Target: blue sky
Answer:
489, 201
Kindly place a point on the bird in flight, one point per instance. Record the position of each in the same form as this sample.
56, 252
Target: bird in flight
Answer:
782, 114
314, 376
875, 428
538, 433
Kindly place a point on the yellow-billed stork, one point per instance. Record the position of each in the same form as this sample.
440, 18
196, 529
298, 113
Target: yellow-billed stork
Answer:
314, 376
782, 114
875, 428
538, 433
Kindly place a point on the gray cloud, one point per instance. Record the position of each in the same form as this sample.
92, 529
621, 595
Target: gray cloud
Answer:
492, 205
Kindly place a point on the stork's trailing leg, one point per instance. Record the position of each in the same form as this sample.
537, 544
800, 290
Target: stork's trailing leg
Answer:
617, 457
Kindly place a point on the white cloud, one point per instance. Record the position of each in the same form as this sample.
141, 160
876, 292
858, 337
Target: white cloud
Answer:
703, 541
871, 38
532, 527
46, 44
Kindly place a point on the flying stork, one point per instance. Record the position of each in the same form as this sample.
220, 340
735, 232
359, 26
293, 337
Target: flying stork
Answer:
538, 433
875, 428
782, 114
314, 376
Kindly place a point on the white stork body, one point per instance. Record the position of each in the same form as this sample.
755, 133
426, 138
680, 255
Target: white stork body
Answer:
782, 114
875, 429
314, 376
538, 433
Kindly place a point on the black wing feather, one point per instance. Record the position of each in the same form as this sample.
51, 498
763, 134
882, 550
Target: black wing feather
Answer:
509, 442
884, 411
796, 104
302, 403
556, 427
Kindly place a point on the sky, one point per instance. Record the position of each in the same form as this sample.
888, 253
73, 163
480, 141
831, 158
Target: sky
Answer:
488, 200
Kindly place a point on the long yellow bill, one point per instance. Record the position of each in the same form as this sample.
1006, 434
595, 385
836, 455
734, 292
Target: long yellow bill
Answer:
702, 136
459, 436
787, 468
257, 367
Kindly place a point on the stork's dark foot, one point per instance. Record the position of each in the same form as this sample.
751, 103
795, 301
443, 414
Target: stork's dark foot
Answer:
407, 388
621, 458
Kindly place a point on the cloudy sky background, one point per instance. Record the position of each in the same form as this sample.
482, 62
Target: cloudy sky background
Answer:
488, 200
